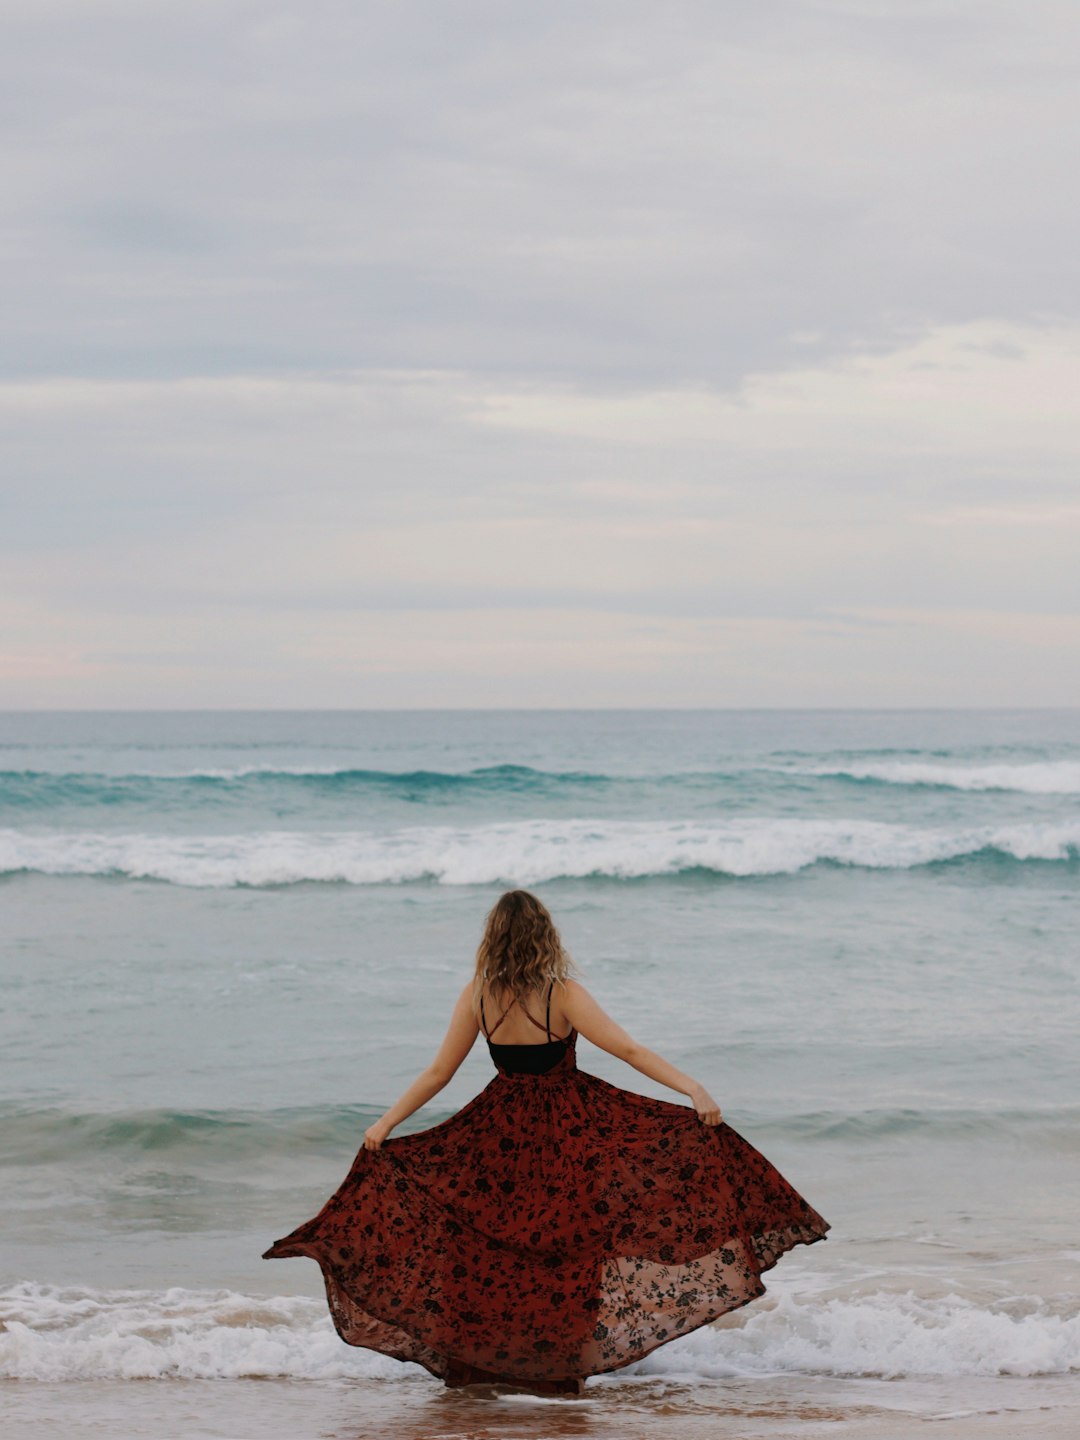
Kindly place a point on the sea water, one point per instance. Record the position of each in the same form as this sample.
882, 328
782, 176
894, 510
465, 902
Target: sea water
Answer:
231, 940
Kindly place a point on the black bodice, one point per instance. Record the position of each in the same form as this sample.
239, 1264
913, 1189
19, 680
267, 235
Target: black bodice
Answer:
528, 1059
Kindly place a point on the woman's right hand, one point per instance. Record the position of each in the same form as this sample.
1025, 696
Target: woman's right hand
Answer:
707, 1108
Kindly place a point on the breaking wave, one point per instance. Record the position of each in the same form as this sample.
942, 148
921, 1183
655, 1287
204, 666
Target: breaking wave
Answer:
529, 852
1050, 777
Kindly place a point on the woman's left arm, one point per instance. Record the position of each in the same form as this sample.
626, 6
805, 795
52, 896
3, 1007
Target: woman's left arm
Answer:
456, 1044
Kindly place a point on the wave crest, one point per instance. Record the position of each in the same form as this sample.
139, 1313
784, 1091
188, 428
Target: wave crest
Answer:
529, 852
1048, 777
33, 788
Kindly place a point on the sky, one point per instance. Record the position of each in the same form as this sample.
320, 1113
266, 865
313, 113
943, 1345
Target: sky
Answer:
389, 353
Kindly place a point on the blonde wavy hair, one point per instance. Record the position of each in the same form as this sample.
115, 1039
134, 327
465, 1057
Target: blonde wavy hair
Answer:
520, 949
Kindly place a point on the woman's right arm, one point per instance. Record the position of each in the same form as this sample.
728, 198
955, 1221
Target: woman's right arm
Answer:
595, 1024
455, 1046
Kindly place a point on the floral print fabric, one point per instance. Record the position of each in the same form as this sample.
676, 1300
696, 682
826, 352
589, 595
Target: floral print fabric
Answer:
555, 1227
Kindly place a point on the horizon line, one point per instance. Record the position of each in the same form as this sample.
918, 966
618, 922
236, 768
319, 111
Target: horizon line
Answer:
518, 709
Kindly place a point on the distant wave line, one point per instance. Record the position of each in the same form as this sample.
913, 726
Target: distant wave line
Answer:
40, 787
484, 775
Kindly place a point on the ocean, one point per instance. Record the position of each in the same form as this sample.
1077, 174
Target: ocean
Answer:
230, 940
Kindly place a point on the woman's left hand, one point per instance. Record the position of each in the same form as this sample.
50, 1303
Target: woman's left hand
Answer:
375, 1134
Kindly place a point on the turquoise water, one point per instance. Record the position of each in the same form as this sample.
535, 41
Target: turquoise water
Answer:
232, 939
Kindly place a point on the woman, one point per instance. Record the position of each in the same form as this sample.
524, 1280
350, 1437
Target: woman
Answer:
556, 1226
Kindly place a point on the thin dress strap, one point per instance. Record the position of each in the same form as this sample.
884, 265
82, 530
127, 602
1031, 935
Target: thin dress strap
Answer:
529, 1016
525, 1011
501, 1018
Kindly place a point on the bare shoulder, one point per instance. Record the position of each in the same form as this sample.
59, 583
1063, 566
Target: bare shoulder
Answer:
591, 1020
575, 987
464, 1006
573, 994
565, 1003
577, 1001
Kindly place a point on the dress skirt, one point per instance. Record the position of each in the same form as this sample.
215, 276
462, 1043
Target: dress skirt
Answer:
556, 1227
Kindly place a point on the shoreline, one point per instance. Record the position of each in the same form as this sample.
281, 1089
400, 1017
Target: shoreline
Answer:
641, 1408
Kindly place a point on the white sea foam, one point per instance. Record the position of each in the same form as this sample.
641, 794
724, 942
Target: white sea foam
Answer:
1050, 777
526, 852
53, 1333
884, 1334
56, 1334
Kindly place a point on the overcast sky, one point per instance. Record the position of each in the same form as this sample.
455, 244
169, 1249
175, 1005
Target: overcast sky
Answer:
445, 353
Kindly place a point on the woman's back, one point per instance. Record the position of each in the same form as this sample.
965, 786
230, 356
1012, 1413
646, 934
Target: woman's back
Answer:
537, 1055
529, 1019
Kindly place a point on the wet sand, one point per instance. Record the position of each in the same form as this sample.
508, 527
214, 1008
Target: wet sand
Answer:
1043, 1409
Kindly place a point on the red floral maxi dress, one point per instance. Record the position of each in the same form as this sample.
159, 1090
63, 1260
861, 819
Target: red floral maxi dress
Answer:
555, 1227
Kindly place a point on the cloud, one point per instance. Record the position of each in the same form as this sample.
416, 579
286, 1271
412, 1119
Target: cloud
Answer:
989, 392
615, 193
571, 540
962, 422
704, 353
